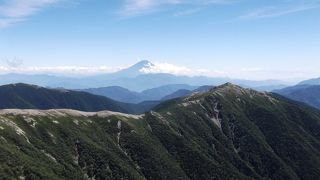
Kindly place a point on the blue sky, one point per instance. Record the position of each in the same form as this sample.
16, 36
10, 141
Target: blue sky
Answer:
265, 39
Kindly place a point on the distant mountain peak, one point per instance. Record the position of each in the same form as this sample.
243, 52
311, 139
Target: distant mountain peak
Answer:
143, 63
21, 85
235, 89
228, 89
229, 86
135, 69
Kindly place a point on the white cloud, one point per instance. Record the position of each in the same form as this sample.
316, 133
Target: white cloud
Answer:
23, 8
188, 11
251, 69
252, 73
92, 70
14, 11
138, 7
6, 22
177, 70
272, 11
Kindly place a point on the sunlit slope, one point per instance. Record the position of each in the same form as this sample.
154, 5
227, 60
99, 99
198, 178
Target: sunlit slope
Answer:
226, 133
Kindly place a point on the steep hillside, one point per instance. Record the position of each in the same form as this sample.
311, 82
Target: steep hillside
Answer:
226, 133
177, 94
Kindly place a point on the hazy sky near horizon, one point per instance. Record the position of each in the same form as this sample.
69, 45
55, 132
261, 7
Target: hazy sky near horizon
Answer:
265, 39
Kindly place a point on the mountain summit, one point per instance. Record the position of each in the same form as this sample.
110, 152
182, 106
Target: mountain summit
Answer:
135, 69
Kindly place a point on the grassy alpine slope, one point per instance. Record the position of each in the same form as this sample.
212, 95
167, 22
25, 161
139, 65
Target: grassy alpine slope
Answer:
226, 133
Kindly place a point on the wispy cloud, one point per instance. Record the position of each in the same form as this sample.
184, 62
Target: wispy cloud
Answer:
188, 11
273, 11
6, 22
139, 7
63, 70
14, 11
251, 69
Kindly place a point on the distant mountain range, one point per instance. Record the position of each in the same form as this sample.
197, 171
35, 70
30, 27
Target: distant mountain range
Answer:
309, 94
132, 78
227, 132
185, 92
124, 95
315, 81
24, 96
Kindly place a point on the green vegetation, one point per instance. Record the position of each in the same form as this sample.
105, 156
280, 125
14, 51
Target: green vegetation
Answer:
227, 133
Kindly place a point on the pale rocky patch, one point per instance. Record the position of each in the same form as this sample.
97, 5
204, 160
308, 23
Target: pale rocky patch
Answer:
4, 139
65, 112
14, 126
49, 156
30, 121
55, 122
76, 122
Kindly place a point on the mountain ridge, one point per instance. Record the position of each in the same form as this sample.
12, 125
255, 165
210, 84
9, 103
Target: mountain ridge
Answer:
308, 94
125, 95
314, 81
25, 96
228, 132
